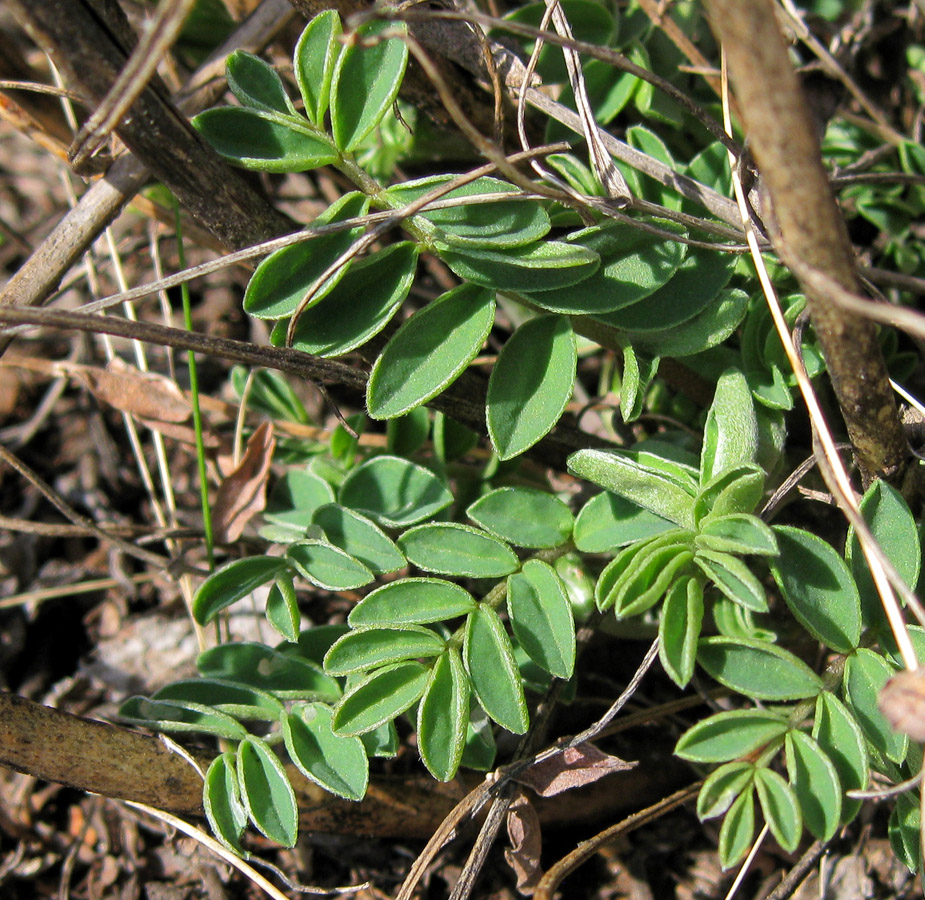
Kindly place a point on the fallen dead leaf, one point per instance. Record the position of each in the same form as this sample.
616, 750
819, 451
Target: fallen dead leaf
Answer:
572, 768
243, 493
143, 394
523, 856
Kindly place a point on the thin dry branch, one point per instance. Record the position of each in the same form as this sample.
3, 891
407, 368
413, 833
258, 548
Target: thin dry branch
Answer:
808, 228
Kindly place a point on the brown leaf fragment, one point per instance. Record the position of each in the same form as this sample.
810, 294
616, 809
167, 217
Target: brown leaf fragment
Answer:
572, 768
902, 702
143, 394
243, 493
523, 856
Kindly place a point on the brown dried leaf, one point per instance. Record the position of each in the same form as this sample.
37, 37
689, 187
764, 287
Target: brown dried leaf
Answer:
143, 394
523, 856
243, 493
902, 702
572, 768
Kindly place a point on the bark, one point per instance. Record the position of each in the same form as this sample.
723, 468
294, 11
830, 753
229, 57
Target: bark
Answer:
808, 230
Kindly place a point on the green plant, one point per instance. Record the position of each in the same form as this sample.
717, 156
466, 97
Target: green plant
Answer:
673, 539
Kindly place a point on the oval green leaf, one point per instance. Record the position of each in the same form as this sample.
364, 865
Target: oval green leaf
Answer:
816, 784
328, 566
394, 492
448, 548
530, 384
866, 672
523, 516
266, 792
443, 716
679, 629
368, 648
221, 800
541, 617
380, 697
255, 83
495, 679
359, 305
536, 267
738, 533
780, 808
264, 141
338, 764
730, 436
283, 608
360, 537
840, 737
734, 578
366, 80
412, 601
315, 56
722, 787
232, 698
608, 521
282, 280
429, 351
738, 830
180, 716
818, 588
757, 669
233, 581
729, 735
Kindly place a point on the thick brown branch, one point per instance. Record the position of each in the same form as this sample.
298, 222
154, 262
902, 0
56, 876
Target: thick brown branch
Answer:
812, 233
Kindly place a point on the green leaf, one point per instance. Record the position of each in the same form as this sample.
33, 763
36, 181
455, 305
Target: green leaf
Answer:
381, 741
730, 437
443, 716
541, 617
233, 581
530, 384
737, 533
451, 440
780, 808
694, 286
639, 371
816, 783
328, 566
283, 675
412, 601
256, 84
360, 537
266, 792
840, 737
429, 351
905, 830
407, 433
177, 716
480, 749
633, 265
282, 279
448, 548
653, 486
380, 697
394, 492
365, 83
221, 800
608, 521
359, 305
367, 648
679, 629
523, 516
722, 787
757, 669
704, 331
866, 672
540, 266
315, 56
498, 224
295, 497
737, 831
283, 608
729, 735
336, 763
734, 578
818, 588
736, 490
238, 700
893, 525
645, 582
264, 141
489, 659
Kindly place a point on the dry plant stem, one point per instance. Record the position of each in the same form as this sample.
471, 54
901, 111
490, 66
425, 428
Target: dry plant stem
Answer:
792, 880
586, 849
466, 406
811, 231
43, 271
